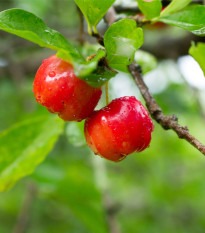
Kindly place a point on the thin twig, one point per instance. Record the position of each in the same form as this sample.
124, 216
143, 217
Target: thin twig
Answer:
167, 122
23, 218
140, 20
111, 16
99, 38
103, 62
121, 9
81, 35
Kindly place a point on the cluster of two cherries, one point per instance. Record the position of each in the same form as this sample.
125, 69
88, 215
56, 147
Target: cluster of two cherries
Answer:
115, 131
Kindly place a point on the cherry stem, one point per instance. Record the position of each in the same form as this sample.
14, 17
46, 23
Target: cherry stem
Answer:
107, 93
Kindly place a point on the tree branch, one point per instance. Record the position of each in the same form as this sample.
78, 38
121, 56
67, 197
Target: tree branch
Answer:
167, 122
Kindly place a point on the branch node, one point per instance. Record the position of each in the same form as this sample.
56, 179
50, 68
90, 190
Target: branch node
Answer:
175, 118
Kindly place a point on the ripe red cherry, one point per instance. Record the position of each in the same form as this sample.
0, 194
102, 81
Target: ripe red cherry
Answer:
58, 89
119, 129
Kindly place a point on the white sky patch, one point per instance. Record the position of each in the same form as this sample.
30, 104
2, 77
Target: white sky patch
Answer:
123, 85
156, 81
192, 72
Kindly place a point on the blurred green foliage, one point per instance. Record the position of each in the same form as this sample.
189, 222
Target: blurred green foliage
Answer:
159, 190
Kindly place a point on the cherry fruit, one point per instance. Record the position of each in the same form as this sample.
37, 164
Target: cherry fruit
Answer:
58, 89
119, 129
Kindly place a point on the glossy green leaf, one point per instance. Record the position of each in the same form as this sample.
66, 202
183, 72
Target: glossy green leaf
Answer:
24, 146
150, 9
100, 76
85, 68
122, 39
175, 6
75, 133
192, 18
93, 74
28, 26
198, 53
32, 28
94, 10
146, 60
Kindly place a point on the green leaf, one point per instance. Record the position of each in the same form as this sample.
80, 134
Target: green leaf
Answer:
100, 77
175, 6
150, 9
146, 60
192, 18
121, 40
94, 10
32, 28
198, 53
24, 146
75, 133
94, 77
85, 68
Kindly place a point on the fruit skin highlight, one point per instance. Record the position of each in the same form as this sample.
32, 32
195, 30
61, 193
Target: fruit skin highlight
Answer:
119, 129
58, 89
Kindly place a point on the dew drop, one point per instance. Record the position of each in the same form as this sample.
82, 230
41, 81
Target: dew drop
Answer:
52, 74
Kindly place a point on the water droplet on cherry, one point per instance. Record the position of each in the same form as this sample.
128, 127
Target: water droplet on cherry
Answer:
52, 74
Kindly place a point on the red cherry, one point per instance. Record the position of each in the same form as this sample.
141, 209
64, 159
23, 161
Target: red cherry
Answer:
119, 129
58, 89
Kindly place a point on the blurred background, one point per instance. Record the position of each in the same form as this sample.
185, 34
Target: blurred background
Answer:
161, 189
